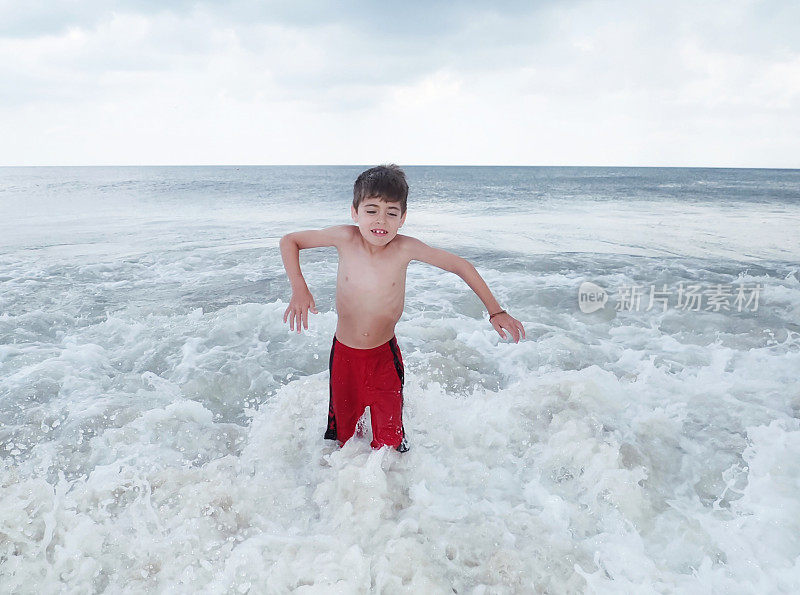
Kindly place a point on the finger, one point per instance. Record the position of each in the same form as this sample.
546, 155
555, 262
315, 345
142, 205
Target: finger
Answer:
298, 321
501, 333
305, 319
522, 328
286, 314
512, 332
291, 321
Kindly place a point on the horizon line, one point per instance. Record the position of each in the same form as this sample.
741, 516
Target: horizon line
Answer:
402, 165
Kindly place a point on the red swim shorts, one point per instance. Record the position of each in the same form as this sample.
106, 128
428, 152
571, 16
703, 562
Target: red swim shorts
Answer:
362, 378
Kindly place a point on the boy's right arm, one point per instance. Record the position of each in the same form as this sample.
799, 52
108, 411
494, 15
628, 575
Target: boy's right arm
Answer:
302, 301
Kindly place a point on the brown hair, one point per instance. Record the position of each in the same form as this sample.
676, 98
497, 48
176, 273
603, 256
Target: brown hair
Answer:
385, 181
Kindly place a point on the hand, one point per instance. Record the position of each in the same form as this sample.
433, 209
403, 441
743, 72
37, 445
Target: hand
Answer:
299, 306
508, 323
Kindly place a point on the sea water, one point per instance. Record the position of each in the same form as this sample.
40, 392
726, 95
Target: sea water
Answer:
162, 430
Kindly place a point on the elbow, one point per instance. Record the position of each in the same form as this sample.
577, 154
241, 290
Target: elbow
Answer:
464, 269
287, 245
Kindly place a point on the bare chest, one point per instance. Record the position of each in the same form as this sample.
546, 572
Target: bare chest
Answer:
377, 276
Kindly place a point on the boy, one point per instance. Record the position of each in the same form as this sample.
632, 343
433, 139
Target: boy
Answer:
366, 368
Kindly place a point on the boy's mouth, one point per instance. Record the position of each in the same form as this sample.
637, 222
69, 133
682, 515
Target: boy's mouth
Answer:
379, 232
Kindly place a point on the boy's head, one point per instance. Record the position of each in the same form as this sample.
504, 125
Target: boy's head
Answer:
387, 182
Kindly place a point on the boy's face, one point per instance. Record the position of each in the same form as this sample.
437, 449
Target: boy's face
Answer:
378, 220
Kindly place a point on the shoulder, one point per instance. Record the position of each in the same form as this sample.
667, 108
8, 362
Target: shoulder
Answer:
408, 245
347, 231
407, 241
329, 236
415, 249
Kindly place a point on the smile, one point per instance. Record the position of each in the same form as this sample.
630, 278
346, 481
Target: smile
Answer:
379, 232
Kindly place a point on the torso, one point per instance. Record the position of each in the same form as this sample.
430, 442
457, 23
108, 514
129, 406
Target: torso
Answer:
370, 292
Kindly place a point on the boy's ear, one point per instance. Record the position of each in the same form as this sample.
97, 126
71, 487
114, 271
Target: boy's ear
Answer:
354, 213
402, 220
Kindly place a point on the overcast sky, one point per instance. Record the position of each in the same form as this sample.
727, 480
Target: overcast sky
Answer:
519, 83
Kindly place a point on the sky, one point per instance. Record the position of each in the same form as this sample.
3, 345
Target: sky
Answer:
246, 82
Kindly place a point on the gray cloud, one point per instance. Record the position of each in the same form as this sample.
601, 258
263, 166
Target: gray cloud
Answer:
352, 46
365, 44
415, 18
679, 66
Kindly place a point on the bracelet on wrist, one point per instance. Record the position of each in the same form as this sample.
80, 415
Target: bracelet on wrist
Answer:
496, 313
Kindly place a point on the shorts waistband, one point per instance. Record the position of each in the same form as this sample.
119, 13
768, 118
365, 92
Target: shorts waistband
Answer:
355, 352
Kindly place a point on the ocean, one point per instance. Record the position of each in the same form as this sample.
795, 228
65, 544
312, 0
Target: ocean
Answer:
161, 429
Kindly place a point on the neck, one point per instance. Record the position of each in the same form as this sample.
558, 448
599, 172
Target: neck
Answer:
371, 249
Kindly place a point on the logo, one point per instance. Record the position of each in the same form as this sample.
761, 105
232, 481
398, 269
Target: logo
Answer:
690, 297
591, 297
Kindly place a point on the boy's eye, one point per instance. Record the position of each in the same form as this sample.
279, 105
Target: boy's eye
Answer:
393, 214
371, 212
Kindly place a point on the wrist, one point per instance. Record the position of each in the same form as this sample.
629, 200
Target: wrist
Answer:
496, 314
299, 286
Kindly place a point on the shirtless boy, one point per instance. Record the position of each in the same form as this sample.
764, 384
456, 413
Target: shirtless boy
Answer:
366, 367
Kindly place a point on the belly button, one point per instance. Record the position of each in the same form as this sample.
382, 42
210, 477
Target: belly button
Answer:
366, 334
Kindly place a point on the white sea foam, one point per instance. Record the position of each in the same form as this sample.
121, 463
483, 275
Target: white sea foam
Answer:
162, 430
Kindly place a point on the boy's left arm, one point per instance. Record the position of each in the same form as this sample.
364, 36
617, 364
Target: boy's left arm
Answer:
499, 318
